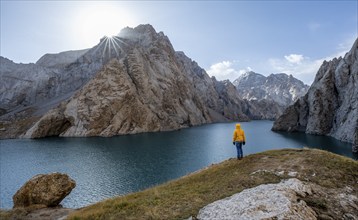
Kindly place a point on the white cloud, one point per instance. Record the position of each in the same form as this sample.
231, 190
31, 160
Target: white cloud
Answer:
301, 67
223, 70
345, 46
227, 70
294, 58
305, 68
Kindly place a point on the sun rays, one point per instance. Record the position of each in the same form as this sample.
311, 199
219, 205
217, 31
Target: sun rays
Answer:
111, 47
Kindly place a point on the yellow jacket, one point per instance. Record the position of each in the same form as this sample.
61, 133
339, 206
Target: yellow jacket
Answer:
239, 134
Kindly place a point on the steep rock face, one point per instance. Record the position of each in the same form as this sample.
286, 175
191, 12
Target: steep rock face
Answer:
229, 104
281, 88
23, 84
331, 105
146, 87
44, 189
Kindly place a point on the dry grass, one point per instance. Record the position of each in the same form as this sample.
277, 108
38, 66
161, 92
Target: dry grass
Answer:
184, 197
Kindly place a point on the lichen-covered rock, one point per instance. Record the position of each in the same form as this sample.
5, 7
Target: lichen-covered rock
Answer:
268, 201
44, 189
331, 105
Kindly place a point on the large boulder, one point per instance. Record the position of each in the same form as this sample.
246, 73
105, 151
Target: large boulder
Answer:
268, 201
44, 189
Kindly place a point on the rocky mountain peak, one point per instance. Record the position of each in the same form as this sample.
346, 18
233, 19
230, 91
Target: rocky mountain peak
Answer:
144, 34
249, 76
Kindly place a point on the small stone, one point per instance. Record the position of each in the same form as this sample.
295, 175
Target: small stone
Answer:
292, 174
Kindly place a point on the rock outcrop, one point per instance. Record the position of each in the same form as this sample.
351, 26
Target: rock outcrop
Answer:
44, 189
272, 94
331, 105
268, 201
146, 87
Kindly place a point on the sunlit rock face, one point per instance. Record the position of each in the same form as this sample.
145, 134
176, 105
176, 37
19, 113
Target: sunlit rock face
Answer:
272, 93
331, 105
145, 86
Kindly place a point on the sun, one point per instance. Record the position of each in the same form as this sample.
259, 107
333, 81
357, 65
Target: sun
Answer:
96, 21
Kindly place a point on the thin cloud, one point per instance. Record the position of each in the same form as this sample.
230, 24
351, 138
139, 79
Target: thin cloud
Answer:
304, 70
294, 58
301, 67
314, 26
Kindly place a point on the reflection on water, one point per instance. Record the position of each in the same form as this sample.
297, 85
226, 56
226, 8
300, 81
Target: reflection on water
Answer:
105, 167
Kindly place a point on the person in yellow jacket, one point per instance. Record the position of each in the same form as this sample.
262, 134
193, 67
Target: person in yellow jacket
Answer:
238, 139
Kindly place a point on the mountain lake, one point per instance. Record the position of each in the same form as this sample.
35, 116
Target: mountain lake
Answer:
107, 167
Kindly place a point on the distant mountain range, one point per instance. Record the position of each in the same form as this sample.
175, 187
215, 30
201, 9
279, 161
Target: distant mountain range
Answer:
281, 88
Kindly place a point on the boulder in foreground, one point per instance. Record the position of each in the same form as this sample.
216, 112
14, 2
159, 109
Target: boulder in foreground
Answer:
44, 189
263, 202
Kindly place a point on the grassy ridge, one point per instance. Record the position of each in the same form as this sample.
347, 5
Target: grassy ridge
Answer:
182, 198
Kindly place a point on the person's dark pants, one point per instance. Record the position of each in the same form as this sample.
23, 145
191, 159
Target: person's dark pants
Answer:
239, 149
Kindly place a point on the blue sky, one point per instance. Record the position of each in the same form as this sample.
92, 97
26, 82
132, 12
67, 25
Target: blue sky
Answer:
226, 38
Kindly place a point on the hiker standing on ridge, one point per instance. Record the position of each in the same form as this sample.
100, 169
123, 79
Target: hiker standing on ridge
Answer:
238, 140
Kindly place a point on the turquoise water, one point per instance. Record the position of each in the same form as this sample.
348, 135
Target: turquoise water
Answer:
105, 167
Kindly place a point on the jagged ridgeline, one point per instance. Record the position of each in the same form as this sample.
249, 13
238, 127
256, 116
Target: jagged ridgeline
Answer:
271, 94
134, 82
331, 105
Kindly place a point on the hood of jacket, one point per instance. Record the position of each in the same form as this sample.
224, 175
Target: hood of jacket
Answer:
238, 126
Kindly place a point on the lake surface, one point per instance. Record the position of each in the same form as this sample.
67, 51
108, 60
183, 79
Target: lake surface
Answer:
105, 167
